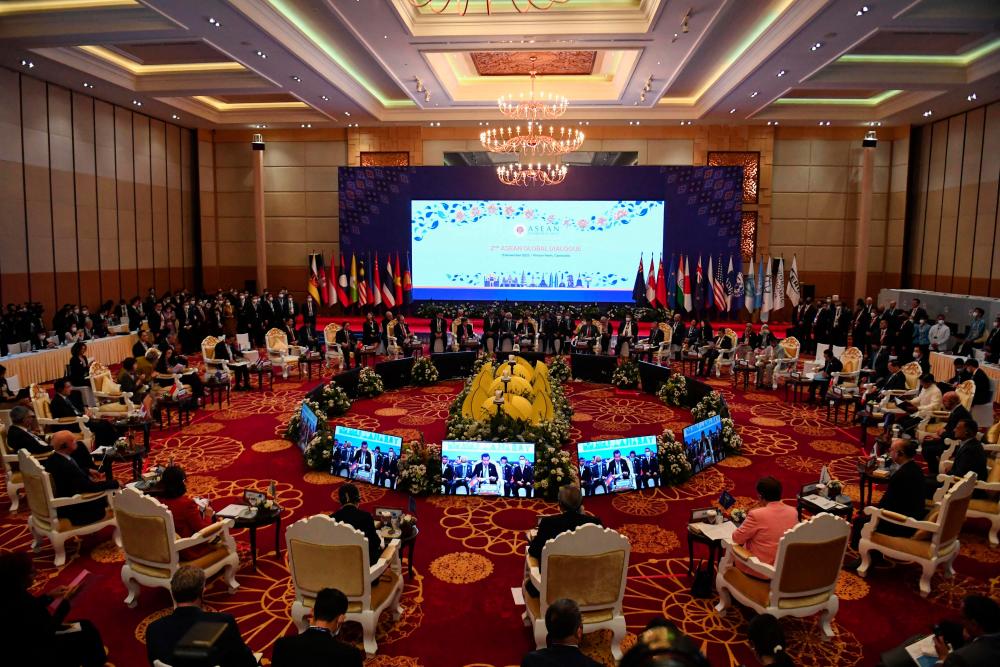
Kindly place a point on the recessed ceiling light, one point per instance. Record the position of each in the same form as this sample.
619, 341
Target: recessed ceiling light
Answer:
175, 116
214, 22
733, 110
862, 11
324, 98
27, 63
685, 122
296, 79
754, 94
781, 73
306, 125
875, 123
824, 122
87, 84
137, 103
928, 113
772, 122
261, 54
347, 113
971, 97
816, 46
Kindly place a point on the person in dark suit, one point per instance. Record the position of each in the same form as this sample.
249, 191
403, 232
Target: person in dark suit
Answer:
564, 632
69, 479
228, 350
306, 337
491, 327
823, 323
655, 336
933, 446
22, 435
371, 333
144, 343
970, 455
523, 477
485, 472
650, 469
162, 636
992, 344
507, 475
507, 329
447, 475
439, 332
359, 519
984, 394
462, 472
345, 339
981, 618
61, 406
861, 325
904, 494
309, 311
387, 469
362, 461
839, 324
318, 645
821, 380
917, 311
571, 518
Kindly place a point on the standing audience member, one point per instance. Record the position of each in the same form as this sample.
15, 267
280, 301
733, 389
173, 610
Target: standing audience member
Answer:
564, 632
187, 587
768, 641
761, 532
319, 645
36, 635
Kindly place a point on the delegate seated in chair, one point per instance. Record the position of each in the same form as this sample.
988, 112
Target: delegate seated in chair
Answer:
760, 534
821, 380
934, 445
227, 350
62, 406
69, 479
571, 517
564, 632
358, 519
187, 588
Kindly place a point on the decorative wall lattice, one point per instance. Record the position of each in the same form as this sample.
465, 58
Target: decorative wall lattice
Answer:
385, 159
750, 161
748, 233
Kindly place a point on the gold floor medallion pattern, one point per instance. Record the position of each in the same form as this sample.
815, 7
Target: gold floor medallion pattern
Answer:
461, 568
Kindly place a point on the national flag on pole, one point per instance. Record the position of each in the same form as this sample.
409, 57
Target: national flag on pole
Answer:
671, 284
312, 286
353, 285
661, 286
758, 285
779, 285
793, 283
639, 288
651, 283
407, 282
362, 285
721, 294
687, 285
710, 284
342, 284
698, 296
388, 292
731, 285
374, 291
768, 306
750, 293
324, 287
331, 285
397, 283
680, 283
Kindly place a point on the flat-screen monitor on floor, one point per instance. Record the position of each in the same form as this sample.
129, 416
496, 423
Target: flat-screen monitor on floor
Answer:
703, 443
487, 468
308, 422
615, 465
365, 456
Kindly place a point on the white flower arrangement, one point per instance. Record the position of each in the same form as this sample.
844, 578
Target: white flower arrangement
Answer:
335, 400
674, 465
424, 372
370, 383
732, 442
674, 390
419, 469
626, 376
292, 430
711, 405
560, 370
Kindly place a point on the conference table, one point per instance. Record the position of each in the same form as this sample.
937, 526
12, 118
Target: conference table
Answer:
943, 368
46, 365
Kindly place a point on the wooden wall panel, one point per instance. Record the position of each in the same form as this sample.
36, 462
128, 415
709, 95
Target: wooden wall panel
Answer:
13, 250
954, 154
989, 198
143, 205
37, 191
158, 191
188, 229
85, 195
125, 178
175, 237
935, 192
968, 194
61, 180
107, 200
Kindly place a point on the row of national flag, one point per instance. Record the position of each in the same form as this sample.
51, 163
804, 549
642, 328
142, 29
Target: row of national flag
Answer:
367, 282
716, 286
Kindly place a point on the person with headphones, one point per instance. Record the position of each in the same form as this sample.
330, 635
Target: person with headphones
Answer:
358, 519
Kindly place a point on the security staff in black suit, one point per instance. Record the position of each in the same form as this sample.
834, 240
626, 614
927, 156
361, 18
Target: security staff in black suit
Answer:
439, 331
61, 406
823, 323
570, 518
69, 479
861, 325
318, 645
839, 324
359, 519
523, 477
162, 636
228, 350
309, 310
345, 339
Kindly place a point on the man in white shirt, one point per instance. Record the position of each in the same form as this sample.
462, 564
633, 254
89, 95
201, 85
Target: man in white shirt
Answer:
926, 402
939, 335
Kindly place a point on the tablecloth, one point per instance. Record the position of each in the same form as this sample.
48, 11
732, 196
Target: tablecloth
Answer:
35, 367
943, 368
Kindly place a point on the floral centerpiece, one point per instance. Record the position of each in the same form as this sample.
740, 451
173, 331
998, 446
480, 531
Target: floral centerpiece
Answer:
370, 383
834, 488
711, 405
738, 515
626, 376
732, 442
674, 390
424, 372
553, 468
419, 469
407, 524
334, 400
319, 451
560, 370
266, 505
674, 465
123, 446
292, 430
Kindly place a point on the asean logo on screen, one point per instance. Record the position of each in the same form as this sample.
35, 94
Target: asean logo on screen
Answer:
521, 229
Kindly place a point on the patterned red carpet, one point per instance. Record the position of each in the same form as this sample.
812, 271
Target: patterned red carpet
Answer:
458, 608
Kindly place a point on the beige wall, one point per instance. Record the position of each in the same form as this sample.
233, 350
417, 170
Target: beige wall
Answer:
953, 228
97, 198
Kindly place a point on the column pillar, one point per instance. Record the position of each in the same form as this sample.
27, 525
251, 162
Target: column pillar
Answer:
259, 218
863, 231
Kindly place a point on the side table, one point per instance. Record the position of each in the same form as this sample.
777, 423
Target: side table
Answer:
218, 390
259, 520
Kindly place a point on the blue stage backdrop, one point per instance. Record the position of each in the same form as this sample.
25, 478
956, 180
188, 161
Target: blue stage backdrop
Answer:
469, 237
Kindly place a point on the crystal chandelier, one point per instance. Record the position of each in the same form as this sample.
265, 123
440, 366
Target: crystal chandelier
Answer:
533, 142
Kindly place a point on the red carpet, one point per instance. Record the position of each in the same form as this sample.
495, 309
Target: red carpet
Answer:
458, 609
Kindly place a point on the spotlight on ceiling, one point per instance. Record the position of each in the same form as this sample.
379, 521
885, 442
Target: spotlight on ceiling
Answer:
324, 98
215, 22
772, 122
87, 84
970, 98
862, 11
296, 79
816, 47
928, 113
261, 54
754, 94
782, 73
137, 103
27, 63
175, 116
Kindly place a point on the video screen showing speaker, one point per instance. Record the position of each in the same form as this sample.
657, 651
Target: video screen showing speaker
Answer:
612, 466
488, 468
365, 456
308, 423
703, 443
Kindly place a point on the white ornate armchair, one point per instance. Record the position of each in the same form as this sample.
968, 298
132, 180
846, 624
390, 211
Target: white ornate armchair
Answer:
786, 365
392, 346
912, 373
323, 553
726, 357
936, 540
936, 420
43, 415
280, 353
588, 565
851, 360
987, 507
663, 352
111, 400
12, 473
333, 352
153, 550
44, 520
212, 365
803, 579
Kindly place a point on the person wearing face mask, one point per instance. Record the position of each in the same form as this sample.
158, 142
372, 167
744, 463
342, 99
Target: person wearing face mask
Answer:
627, 332
904, 338
975, 338
939, 335
922, 359
922, 335
992, 345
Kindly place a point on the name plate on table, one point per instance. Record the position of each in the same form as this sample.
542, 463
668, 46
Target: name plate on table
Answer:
488, 490
365, 475
623, 484
822, 502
